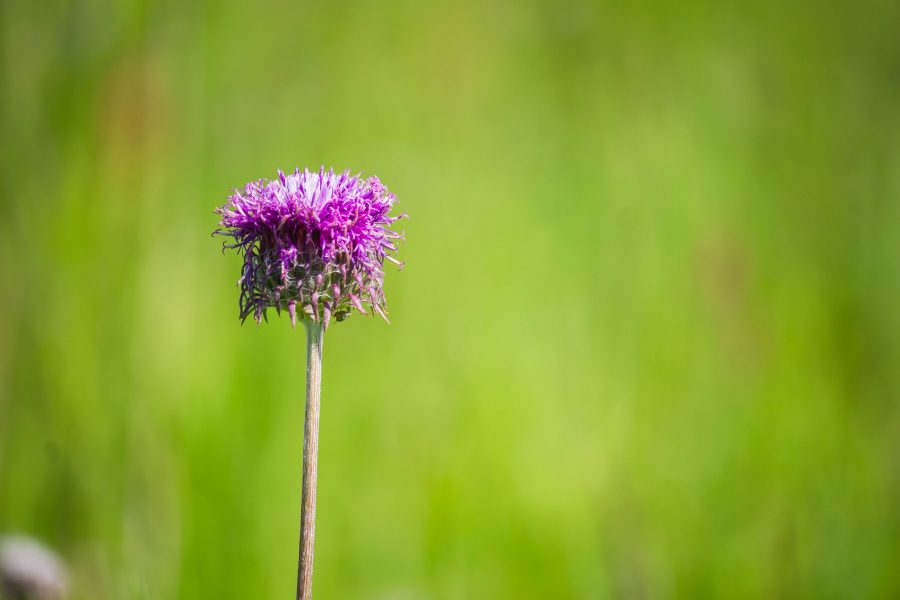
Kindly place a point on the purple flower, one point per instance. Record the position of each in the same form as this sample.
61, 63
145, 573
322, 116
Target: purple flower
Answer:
316, 241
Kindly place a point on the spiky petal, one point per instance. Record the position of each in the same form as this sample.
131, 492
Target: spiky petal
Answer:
317, 239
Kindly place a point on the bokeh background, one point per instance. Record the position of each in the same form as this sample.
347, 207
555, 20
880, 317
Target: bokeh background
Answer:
646, 345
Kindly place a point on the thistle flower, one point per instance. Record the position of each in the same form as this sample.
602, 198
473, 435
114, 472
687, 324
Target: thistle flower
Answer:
313, 242
316, 242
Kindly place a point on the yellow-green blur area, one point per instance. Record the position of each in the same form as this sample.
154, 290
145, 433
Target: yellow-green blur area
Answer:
646, 344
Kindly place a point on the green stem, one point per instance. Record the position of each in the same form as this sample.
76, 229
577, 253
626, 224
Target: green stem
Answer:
314, 338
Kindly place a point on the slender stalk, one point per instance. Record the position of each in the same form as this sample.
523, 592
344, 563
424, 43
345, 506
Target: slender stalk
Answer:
314, 335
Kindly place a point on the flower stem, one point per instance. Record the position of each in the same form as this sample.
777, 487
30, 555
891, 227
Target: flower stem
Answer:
314, 335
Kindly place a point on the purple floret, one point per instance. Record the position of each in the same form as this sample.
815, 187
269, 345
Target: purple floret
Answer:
313, 240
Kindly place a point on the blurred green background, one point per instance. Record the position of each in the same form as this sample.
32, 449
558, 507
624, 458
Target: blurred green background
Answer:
646, 345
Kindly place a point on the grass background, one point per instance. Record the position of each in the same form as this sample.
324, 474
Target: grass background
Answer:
646, 345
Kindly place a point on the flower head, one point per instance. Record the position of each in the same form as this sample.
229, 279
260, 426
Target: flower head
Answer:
313, 242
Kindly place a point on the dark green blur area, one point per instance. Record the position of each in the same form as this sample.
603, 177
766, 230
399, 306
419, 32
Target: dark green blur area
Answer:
646, 344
